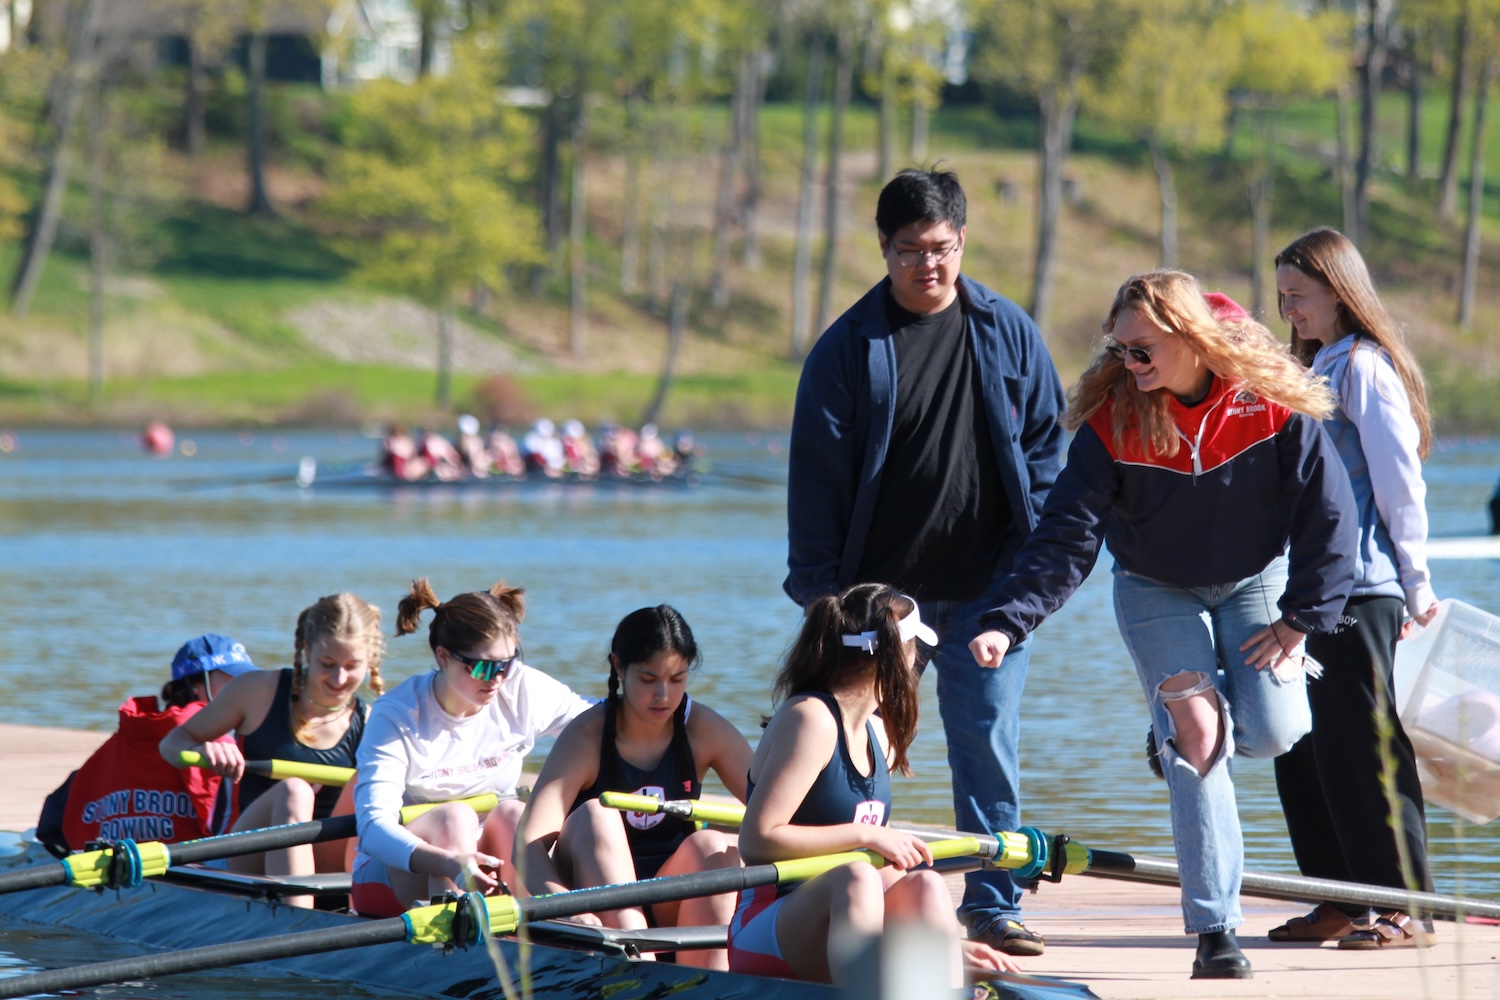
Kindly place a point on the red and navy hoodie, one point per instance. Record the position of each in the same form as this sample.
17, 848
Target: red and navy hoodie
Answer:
1251, 479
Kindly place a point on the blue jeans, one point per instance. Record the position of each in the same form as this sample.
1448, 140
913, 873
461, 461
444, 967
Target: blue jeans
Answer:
1174, 630
981, 710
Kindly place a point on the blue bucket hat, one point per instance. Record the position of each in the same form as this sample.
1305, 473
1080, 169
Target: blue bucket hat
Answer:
211, 652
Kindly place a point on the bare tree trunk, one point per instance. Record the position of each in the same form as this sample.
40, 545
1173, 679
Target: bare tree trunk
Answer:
1369, 93
885, 167
676, 329
194, 128
37, 244
445, 354
1168, 188
630, 243
578, 228
657, 282
843, 77
1345, 167
550, 194
1059, 105
750, 254
1413, 110
99, 250
724, 209
921, 127
1476, 196
802, 259
260, 198
427, 43
1262, 181
1447, 205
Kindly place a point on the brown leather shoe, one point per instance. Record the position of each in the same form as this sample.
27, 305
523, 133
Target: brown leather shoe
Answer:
1325, 923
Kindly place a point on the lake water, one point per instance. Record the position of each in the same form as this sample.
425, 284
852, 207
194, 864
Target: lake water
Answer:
113, 558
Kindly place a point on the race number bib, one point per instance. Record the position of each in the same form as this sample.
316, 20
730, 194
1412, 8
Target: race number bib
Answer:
871, 812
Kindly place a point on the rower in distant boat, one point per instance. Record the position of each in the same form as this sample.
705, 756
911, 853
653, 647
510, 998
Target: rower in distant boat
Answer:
649, 738
461, 729
310, 713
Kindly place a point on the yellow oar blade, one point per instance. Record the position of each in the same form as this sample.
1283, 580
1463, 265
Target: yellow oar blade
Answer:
280, 770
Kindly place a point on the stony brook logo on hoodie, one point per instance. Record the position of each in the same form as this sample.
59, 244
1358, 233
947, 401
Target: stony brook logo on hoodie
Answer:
1244, 404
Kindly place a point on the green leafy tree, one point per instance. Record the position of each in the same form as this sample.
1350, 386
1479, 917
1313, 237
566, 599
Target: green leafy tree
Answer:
1046, 50
1284, 53
1162, 90
430, 174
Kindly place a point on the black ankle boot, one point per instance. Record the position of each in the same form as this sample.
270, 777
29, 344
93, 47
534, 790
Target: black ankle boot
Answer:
1219, 957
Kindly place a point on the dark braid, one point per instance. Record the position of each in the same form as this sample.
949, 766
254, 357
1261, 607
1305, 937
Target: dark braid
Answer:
611, 775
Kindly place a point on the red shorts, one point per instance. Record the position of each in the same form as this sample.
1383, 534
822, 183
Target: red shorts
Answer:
370, 891
753, 947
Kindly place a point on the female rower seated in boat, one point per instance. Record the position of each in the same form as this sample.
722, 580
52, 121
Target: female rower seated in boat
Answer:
820, 784
650, 738
459, 730
309, 713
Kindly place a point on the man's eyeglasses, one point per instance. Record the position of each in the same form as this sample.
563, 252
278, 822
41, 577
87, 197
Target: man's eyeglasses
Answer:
488, 670
1118, 351
914, 258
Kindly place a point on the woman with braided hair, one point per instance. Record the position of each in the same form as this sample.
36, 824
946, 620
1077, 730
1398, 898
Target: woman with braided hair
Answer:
649, 738
310, 712
458, 730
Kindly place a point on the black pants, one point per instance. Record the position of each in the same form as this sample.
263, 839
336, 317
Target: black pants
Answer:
1330, 782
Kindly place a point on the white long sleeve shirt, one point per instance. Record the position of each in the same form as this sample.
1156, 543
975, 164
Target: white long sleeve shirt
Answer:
413, 751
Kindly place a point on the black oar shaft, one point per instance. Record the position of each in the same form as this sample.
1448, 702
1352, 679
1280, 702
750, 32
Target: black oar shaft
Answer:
269, 839
230, 845
668, 890
215, 956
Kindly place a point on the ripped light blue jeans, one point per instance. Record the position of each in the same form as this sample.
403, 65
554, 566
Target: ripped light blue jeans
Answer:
1174, 630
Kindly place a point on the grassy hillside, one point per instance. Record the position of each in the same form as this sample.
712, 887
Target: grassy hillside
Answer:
235, 320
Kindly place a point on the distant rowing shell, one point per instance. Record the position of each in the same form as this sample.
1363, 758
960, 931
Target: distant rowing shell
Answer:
374, 476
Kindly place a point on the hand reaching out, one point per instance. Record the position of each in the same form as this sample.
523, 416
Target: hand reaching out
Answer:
989, 648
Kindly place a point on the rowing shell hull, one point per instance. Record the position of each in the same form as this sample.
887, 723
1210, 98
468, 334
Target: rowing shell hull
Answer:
164, 917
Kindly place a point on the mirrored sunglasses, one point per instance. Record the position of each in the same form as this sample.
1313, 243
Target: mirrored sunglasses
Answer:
488, 670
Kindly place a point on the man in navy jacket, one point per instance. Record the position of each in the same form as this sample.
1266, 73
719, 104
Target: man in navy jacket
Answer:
924, 441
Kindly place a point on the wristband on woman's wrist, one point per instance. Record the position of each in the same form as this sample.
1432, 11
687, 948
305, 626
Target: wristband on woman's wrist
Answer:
1296, 624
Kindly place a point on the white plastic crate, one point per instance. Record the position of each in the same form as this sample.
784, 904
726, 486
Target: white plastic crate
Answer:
1448, 689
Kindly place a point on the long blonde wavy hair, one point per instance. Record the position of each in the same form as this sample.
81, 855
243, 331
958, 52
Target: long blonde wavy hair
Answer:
1232, 347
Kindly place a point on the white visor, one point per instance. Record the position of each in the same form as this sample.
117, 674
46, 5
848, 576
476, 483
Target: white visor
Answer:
911, 627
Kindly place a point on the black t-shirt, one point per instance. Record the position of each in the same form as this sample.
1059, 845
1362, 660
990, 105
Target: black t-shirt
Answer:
941, 516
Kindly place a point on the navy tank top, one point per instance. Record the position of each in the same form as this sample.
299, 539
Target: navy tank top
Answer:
273, 740
652, 837
841, 794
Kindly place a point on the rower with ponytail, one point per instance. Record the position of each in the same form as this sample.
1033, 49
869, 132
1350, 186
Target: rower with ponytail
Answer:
461, 729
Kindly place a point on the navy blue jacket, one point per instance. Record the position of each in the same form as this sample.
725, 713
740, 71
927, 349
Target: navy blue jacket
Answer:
846, 406
1251, 480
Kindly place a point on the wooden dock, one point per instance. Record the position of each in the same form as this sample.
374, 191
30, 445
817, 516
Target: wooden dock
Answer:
1122, 939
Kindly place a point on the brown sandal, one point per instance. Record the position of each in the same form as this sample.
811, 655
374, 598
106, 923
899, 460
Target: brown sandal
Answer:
1325, 923
1390, 930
